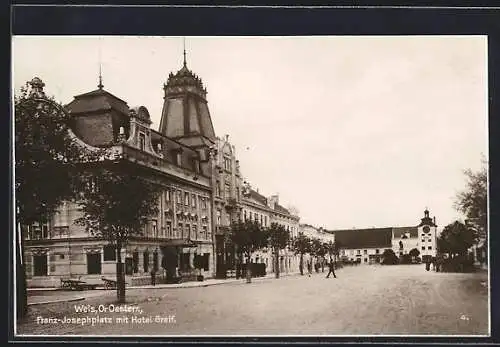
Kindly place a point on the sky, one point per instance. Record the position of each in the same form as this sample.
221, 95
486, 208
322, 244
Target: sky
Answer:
352, 131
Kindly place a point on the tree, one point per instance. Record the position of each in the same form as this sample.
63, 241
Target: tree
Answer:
46, 165
116, 204
248, 236
301, 244
414, 253
473, 201
317, 247
389, 257
456, 239
278, 239
331, 249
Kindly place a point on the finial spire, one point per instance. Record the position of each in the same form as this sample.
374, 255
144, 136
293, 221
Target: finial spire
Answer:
100, 85
184, 45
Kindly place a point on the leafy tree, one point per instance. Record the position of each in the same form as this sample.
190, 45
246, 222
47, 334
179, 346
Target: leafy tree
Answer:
301, 244
46, 165
317, 248
414, 253
456, 239
248, 236
389, 257
116, 204
473, 201
278, 239
46, 156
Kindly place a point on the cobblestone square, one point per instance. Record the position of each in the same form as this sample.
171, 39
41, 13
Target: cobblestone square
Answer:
363, 300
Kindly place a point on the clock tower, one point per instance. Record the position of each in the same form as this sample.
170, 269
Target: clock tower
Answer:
427, 233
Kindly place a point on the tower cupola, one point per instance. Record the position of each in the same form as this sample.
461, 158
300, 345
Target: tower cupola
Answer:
185, 116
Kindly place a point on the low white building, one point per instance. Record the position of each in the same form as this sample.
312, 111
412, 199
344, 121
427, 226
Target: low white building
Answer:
366, 246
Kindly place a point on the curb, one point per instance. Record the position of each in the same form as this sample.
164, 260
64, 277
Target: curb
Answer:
230, 281
175, 286
56, 301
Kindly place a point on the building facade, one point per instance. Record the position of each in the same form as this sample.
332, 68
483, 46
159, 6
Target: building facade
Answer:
202, 191
266, 211
179, 235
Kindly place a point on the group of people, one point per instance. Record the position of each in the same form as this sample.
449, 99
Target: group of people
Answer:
436, 262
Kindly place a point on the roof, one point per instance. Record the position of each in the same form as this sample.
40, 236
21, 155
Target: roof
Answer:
364, 238
170, 148
281, 209
258, 197
97, 100
400, 231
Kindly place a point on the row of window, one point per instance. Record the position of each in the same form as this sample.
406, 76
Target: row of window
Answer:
188, 231
358, 252
260, 218
189, 199
184, 230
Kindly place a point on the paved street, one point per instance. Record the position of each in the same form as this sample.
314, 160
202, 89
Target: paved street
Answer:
363, 300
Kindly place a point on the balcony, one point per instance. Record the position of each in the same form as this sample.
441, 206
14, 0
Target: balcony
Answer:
232, 203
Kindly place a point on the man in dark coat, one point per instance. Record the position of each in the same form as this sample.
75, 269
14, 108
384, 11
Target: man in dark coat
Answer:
331, 269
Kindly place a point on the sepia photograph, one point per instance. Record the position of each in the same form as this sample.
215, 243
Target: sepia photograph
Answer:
251, 185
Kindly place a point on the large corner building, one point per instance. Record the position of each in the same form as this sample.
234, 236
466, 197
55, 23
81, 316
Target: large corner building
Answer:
202, 192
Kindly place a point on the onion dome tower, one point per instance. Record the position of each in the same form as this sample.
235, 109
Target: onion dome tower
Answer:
185, 115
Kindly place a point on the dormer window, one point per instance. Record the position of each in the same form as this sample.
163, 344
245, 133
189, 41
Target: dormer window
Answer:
178, 158
142, 141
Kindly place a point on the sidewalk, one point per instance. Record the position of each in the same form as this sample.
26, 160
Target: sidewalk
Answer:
190, 284
209, 282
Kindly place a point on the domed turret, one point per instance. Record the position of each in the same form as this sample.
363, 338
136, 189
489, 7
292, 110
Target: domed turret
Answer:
184, 81
185, 115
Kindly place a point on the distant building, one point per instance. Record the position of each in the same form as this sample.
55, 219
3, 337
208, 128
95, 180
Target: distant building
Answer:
366, 246
265, 211
316, 233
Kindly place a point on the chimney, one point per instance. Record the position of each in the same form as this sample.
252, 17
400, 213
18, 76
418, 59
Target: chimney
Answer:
273, 200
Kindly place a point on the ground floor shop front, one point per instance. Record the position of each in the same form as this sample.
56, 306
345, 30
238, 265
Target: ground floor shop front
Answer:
94, 261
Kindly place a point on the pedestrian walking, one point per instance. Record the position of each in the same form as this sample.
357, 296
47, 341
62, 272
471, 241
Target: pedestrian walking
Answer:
331, 269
